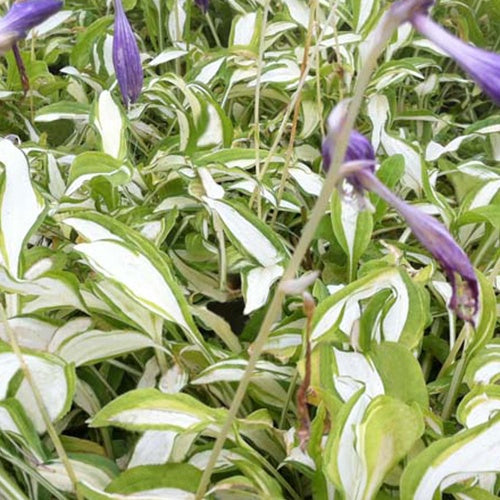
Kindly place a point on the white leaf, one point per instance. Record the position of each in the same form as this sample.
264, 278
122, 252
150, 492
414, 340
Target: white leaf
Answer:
16, 219
154, 447
257, 285
136, 274
31, 332
448, 461
244, 29
95, 345
251, 238
50, 377
110, 124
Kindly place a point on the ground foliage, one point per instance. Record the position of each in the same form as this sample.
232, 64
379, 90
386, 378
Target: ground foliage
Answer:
140, 248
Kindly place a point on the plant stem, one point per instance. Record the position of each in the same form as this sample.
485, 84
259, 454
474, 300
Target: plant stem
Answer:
296, 112
40, 404
256, 116
382, 34
454, 350
451, 397
213, 30
288, 112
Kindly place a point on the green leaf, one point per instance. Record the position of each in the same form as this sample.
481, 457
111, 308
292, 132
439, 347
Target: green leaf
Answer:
352, 228
336, 315
400, 373
168, 480
109, 120
89, 166
82, 50
451, 460
149, 409
54, 378
17, 220
369, 438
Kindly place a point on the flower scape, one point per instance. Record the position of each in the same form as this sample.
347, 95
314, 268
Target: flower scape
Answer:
249, 249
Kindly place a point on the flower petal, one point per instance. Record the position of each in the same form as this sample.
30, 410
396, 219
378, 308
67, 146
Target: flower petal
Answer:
126, 57
482, 65
22, 17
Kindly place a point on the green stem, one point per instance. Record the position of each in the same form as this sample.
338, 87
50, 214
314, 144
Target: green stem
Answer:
256, 116
304, 69
451, 397
213, 30
289, 110
40, 404
382, 35
289, 396
454, 350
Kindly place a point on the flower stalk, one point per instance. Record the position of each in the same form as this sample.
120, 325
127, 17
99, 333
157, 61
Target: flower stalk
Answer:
383, 33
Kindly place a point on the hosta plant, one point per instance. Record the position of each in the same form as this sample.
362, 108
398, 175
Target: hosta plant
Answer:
249, 249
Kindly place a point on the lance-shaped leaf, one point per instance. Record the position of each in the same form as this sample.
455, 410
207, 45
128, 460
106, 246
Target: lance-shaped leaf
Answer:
484, 366
93, 346
50, 290
17, 220
31, 332
63, 110
126, 309
161, 481
485, 318
13, 419
109, 121
154, 448
256, 285
479, 405
395, 320
455, 459
95, 470
137, 275
368, 439
149, 409
352, 228
248, 233
90, 165
54, 378
9, 487
231, 370
133, 263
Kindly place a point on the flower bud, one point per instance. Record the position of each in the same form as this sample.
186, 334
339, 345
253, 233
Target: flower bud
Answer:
126, 57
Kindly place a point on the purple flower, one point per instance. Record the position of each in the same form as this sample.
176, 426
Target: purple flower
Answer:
203, 5
482, 65
359, 148
435, 237
403, 10
23, 16
126, 57
429, 231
